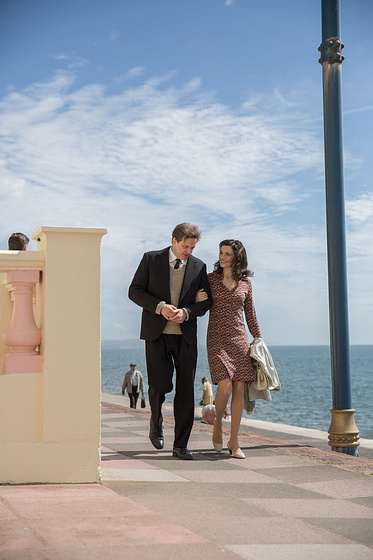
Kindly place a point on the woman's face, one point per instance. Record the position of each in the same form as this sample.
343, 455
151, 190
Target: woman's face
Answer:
226, 256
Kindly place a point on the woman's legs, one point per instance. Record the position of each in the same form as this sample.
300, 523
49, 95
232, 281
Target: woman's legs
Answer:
237, 404
221, 400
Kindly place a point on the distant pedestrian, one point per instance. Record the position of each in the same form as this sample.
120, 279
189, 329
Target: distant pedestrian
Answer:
134, 383
207, 394
18, 242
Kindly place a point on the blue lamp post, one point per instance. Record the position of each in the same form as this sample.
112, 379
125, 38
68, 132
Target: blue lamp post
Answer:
343, 433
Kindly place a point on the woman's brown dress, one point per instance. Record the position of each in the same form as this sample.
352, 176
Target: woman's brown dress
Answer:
228, 346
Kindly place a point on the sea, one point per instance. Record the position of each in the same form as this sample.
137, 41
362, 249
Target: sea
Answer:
305, 398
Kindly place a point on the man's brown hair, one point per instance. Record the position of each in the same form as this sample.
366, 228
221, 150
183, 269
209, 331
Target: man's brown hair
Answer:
18, 242
186, 230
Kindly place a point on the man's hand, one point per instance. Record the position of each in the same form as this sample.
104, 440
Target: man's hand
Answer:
179, 316
168, 311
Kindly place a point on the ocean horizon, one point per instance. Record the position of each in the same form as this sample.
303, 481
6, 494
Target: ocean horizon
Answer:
305, 398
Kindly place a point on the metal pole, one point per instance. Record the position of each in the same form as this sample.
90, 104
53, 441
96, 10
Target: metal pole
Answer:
343, 433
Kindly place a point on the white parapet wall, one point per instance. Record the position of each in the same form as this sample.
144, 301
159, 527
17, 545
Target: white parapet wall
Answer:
50, 420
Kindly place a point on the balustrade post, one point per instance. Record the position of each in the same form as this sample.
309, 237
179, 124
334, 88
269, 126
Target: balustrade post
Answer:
23, 334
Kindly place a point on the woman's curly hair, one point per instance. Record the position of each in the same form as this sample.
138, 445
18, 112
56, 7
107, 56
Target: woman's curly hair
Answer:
239, 268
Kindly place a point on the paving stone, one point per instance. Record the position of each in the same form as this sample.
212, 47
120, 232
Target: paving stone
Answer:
312, 508
125, 437
224, 476
351, 488
264, 529
366, 501
304, 551
357, 530
307, 474
268, 461
200, 462
148, 475
275, 490
139, 551
143, 491
121, 424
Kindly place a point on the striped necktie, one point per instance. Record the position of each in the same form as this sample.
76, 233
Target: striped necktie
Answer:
177, 264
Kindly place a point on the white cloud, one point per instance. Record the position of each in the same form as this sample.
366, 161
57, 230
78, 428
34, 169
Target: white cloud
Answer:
71, 60
114, 36
359, 218
360, 209
140, 161
358, 110
134, 72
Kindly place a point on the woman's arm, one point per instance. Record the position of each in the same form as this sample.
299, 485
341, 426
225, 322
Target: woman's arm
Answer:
250, 313
201, 296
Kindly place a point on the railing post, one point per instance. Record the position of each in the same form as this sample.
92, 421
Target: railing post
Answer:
22, 335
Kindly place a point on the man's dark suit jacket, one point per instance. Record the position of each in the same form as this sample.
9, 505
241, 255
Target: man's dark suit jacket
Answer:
151, 284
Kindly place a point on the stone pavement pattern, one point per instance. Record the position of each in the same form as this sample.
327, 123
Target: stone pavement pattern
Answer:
284, 501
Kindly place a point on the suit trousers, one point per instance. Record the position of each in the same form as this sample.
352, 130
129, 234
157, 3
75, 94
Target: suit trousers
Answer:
133, 399
168, 353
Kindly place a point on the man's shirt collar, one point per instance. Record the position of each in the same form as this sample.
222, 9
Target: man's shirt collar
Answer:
172, 258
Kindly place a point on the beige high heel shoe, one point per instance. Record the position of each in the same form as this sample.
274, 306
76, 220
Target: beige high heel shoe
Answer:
238, 454
217, 446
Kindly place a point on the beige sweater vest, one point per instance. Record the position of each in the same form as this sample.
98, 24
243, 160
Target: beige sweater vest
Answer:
176, 282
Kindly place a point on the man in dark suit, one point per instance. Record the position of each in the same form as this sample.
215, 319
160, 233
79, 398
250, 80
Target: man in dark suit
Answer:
165, 286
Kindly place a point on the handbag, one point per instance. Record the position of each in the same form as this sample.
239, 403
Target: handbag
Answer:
143, 403
261, 381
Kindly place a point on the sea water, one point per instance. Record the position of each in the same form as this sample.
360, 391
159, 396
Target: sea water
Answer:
305, 398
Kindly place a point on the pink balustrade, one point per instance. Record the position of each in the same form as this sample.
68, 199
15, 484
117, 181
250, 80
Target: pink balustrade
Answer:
23, 334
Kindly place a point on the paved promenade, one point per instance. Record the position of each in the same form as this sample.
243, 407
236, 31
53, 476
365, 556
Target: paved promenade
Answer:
291, 498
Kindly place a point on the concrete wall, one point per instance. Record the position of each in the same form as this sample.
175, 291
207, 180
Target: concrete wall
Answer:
50, 420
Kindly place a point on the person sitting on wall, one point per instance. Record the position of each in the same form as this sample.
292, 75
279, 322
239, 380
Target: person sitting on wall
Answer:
18, 242
208, 414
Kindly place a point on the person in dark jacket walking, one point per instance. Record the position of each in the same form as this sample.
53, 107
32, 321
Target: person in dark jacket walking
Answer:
165, 285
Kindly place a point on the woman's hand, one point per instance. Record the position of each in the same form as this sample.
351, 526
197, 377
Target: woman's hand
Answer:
201, 296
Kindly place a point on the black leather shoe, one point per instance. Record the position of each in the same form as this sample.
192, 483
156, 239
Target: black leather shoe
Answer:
182, 453
156, 436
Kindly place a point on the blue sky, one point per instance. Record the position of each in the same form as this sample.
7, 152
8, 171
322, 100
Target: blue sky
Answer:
136, 115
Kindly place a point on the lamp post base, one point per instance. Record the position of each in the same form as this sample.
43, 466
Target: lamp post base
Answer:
343, 432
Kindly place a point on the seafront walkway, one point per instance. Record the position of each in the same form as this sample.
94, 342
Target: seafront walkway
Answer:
291, 498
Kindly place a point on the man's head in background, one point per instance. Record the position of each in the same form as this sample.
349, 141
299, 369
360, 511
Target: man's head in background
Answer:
18, 242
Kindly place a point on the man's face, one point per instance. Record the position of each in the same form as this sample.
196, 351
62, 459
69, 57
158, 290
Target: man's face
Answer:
133, 368
184, 248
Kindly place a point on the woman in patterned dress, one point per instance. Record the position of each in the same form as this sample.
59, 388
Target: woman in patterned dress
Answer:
228, 346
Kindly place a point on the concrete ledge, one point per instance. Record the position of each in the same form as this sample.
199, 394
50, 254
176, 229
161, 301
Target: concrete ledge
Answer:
64, 462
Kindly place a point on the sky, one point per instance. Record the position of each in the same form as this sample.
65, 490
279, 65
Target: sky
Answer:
137, 115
